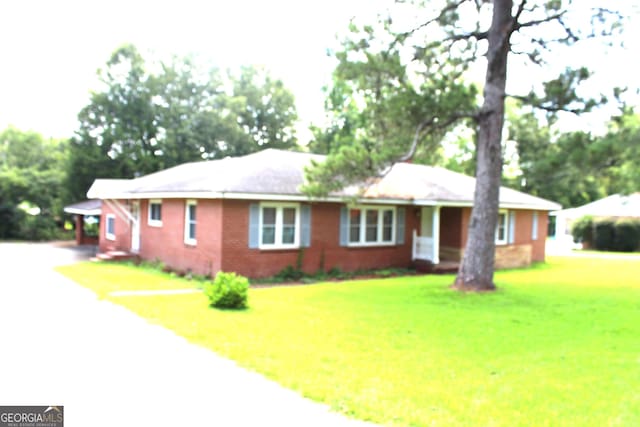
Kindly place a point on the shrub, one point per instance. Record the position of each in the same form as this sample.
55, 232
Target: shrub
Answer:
228, 290
627, 235
604, 234
289, 273
336, 273
39, 228
582, 230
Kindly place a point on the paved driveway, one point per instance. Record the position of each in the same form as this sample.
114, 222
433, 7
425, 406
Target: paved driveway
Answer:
59, 345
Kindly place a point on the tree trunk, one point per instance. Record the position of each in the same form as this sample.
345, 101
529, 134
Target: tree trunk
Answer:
477, 266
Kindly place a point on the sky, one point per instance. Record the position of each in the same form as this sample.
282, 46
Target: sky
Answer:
51, 50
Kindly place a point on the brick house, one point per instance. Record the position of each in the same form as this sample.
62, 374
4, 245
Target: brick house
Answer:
246, 214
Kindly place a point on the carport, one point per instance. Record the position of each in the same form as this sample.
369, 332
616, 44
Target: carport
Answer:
87, 220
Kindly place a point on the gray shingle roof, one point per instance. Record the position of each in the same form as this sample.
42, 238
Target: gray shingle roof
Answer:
265, 172
276, 172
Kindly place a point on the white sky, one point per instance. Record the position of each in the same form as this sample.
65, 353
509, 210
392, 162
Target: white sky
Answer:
50, 50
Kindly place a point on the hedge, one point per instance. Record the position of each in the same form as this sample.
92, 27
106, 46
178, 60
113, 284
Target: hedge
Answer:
608, 234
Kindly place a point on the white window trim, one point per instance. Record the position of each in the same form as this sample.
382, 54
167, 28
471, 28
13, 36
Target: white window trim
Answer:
150, 221
278, 231
363, 229
534, 226
187, 239
506, 227
107, 235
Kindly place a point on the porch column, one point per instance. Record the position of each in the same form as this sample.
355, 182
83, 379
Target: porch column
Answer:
79, 229
435, 233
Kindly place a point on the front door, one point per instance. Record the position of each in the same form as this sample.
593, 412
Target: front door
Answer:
426, 223
135, 227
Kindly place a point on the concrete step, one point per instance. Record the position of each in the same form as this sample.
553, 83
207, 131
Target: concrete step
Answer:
114, 256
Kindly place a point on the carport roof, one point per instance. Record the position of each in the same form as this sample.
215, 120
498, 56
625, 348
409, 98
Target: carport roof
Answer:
87, 207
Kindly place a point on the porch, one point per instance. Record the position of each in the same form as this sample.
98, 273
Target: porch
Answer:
425, 251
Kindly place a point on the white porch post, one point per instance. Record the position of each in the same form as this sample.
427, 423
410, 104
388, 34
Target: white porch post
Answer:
435, 232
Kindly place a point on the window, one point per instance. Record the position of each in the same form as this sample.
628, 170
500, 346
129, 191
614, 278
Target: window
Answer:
279, 225
155, 213
502, 228
534, 226
371, 226
110, 227
190, 222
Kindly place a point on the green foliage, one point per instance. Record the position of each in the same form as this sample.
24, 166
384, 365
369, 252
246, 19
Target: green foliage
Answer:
11, 219
560, 94
575, 168
379, 101
39, 228
582, 230
608, 234
604, 232
627, 235
397, 79
288, 274
228, 290
152, 115
620, 235
32, 172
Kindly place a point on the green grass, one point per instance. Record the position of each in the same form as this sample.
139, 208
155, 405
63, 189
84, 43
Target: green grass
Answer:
607, 254
105, 278
557, 345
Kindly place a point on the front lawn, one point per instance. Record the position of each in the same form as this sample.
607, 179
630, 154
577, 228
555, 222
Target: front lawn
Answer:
557, 345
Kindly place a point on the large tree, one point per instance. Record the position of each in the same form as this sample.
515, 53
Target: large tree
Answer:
435, 49
578, 167
151, 115
31, 178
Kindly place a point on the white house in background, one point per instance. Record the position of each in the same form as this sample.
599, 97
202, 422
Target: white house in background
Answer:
615, 206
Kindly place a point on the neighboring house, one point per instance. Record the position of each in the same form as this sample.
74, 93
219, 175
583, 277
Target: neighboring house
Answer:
87, 212
614, 206
247, 214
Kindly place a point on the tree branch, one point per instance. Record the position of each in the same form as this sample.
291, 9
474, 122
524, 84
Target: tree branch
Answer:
548, 108
447, 8
554, 17
521, 9
478, 35
434, 123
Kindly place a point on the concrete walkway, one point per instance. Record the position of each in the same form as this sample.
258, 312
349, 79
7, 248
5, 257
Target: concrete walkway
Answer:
59, 345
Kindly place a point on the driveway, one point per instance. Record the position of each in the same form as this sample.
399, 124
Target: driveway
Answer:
59, 345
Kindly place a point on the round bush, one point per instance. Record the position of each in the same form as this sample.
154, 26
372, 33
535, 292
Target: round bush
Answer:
604, 234
627, 235
582, 230
228, 290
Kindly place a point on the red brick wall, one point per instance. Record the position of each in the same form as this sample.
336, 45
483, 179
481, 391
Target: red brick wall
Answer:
122, 241
454, 230
222, 239
524, 228
523, 237
325, 232
166, 243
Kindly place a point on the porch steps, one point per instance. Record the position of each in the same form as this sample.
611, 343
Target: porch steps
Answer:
446, 267
443, 267
114, 256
